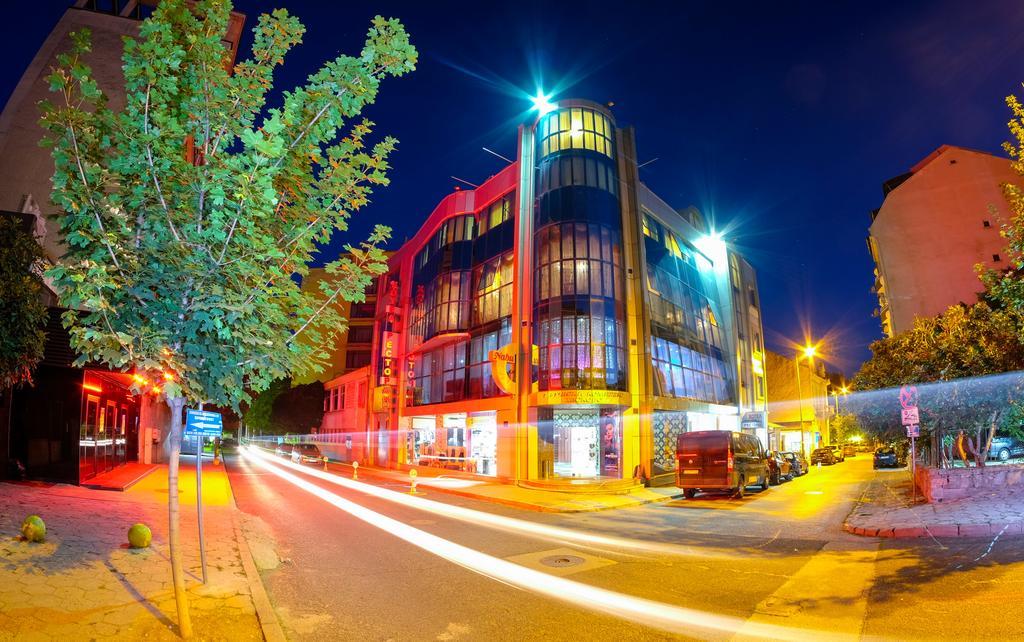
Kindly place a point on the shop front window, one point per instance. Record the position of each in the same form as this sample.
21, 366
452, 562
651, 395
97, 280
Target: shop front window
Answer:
483, 443
587, 442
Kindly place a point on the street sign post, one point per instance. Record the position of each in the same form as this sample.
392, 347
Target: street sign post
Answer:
912, 420
202, 424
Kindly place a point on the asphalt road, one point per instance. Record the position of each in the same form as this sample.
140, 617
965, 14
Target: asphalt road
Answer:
777, 557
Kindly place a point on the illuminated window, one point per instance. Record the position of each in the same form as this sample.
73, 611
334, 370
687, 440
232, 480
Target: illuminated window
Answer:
492, 289
579, 290
651, 229
481, 384
495, 214
575, 128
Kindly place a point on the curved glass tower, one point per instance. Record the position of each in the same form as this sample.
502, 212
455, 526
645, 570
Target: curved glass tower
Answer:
579, 313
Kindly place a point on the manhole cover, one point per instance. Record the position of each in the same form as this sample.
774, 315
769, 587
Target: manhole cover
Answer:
561, 561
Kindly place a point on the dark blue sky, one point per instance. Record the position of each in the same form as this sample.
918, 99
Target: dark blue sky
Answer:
778, 120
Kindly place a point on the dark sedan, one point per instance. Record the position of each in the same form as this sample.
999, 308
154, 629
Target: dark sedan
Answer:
886, 458
779, 469
797, 462
825, 456
306, 454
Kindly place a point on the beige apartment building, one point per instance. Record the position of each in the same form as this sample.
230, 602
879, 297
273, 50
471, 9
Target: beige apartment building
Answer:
936, 223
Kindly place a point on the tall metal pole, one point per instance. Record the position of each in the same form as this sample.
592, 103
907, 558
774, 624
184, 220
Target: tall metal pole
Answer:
800, 398
199, 497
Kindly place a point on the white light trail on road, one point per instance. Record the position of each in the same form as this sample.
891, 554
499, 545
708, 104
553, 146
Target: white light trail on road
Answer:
480, 518
667, 617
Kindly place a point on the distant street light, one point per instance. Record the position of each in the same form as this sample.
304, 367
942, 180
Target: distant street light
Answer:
807, 351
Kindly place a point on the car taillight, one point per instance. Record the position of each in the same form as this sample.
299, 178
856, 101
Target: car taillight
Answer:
728, 462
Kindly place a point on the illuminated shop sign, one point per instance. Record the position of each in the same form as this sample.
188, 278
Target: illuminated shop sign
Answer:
582, 397
503, 367
388, 344
754, 421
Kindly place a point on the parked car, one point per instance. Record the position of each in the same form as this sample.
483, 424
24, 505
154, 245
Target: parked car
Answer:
1005, 447
720, 460
825, 456
306, 454
886, 457
849, 450
838, 452
283, 450
797, 463
779, 468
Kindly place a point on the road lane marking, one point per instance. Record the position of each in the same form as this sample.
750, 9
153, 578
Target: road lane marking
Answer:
667, 617
829, 592
500, 522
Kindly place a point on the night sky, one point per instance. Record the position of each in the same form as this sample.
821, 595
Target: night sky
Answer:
778, 120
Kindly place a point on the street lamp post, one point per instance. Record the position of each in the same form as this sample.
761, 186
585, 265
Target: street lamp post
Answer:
809, 352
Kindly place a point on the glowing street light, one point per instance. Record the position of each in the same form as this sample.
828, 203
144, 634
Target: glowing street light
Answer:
808, 351
542, 103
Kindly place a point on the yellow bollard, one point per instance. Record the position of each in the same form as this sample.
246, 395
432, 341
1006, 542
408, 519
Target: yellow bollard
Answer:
412, 482
355, 470
325, 463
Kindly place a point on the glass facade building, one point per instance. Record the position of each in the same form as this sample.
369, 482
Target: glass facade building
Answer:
557, 324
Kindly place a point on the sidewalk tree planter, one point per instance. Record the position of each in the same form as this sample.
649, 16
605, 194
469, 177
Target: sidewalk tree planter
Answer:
188, 212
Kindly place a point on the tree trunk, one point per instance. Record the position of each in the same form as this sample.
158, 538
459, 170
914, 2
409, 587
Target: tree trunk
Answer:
173, 529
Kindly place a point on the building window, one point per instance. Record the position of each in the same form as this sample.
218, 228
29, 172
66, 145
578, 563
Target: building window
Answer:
356, 359
575, 128
481, 384
439, 375
995, 257
360, 334
458, 228
442, 306
986, 224
571, 171
495, 214
686, 341
363, 311
579, 292
492, 289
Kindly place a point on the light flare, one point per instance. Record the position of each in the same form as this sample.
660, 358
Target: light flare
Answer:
501, 522
667, 617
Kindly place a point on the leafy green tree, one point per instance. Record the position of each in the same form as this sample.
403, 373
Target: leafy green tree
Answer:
184, 262
946, 358
299, 409
844, 426
257, 417
22, 311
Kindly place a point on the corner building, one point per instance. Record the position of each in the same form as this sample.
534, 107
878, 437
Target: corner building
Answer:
561, 324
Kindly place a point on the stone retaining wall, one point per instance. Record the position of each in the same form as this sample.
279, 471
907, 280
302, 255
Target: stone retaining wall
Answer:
942, 484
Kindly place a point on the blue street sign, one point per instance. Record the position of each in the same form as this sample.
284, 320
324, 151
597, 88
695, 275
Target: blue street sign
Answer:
204, 423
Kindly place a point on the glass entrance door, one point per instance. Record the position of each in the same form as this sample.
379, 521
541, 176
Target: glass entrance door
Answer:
87, 439
577, 442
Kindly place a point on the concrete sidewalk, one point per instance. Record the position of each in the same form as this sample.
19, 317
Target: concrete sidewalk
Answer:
886, 509
84, 582
431, 480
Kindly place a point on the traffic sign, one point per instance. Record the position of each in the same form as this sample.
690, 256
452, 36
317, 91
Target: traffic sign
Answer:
913, 430
908, 396
204, 423
910, 416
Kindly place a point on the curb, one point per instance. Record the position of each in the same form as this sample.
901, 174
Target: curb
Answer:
938, 530
269, 624
522, 505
